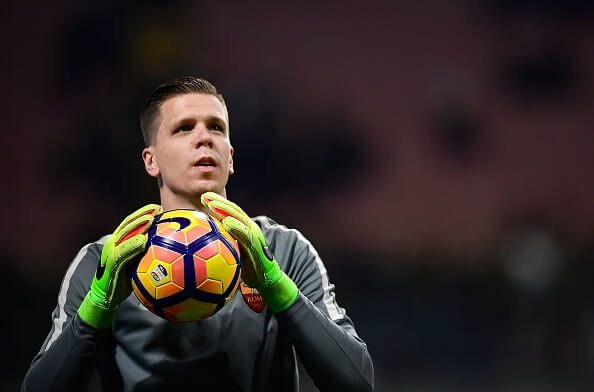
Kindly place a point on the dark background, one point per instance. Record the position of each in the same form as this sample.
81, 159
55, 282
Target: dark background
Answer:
438, 154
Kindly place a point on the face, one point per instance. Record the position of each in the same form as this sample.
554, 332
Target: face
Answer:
191, 153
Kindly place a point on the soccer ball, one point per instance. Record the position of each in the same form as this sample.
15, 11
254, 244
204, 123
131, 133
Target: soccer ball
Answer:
190, 268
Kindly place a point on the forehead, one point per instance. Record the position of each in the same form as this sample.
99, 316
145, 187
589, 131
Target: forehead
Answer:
192, 106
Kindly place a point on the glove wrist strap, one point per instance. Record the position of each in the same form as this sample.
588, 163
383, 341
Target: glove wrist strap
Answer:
96, 315
280, 295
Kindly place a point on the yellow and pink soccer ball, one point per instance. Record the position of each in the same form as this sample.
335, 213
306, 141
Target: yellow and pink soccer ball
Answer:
190, 268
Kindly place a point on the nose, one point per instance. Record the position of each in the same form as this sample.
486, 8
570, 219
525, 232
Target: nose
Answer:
202, 136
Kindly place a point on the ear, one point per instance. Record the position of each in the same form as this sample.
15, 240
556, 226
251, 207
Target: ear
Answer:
150, 162
231, 169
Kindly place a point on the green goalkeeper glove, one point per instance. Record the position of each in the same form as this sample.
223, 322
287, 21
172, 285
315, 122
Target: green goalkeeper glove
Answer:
259, 269
111, 284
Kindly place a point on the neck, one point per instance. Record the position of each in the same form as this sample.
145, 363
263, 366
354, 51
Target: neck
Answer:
171, 201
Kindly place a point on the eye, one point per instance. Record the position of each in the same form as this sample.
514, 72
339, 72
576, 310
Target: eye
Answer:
185, 128
216, 127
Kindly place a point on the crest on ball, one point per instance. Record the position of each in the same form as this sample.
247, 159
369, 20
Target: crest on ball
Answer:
252, 298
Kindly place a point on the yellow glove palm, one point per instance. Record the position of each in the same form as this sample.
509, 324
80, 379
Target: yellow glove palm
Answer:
111, 284
259, 269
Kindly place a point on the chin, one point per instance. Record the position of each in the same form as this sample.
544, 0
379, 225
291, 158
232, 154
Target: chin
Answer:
214, 187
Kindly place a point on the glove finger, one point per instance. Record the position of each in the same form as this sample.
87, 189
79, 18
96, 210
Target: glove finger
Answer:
251, 270
138, 226
130, 248
223, 210
237, 229
207, 197
210, 197
151, 209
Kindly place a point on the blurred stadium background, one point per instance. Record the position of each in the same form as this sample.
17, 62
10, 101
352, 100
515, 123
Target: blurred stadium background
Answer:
438, 154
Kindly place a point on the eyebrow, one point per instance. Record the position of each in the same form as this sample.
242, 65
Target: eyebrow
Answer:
208, 119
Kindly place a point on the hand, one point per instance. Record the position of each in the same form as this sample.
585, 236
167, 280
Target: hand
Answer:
259, 269
111, 284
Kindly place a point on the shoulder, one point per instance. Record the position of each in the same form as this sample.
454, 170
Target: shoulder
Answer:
288, 245
83, 266
275, 231
87, 256
93, 249
265, 222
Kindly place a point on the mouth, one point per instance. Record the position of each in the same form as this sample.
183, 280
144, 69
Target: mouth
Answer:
205, 164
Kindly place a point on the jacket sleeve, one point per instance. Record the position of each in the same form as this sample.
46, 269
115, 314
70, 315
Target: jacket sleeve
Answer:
69, 354
322, 334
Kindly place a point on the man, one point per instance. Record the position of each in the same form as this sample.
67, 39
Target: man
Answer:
242, 347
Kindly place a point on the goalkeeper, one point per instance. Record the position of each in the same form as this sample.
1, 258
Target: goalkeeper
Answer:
288, 312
